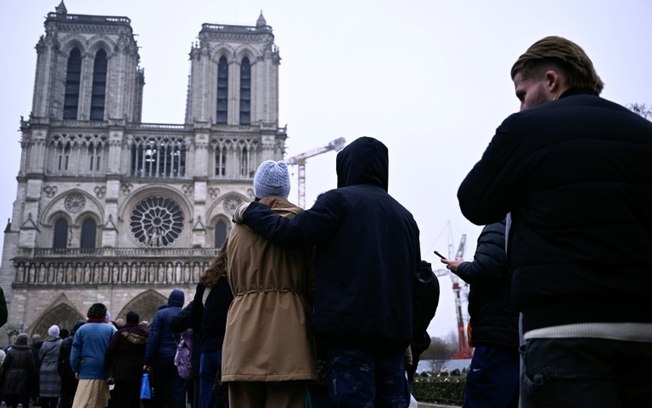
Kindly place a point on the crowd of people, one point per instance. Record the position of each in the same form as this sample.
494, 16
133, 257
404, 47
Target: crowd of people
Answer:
72, 368
329, 306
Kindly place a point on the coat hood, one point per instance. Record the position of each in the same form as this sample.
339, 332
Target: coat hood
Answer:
176, 298
364, 161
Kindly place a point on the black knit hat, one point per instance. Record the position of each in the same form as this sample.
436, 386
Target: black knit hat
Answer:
132, 317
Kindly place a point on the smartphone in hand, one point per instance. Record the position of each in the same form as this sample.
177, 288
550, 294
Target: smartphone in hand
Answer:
440, 255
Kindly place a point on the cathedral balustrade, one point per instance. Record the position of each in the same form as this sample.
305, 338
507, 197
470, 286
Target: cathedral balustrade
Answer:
159, 126
107, 272
35, 253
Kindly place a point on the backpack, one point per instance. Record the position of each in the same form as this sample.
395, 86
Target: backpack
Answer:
183, 356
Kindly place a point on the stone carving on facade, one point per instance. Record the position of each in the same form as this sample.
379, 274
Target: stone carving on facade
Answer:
213, 192
187, 189
109, 224
50, 191
199, 225
231, 203
126, 188
74, 202
100, 191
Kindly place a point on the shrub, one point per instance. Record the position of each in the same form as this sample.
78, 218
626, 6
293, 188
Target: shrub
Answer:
441, 390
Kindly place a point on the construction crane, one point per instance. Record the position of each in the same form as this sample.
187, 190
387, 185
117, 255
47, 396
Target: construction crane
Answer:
300, 161
463, 349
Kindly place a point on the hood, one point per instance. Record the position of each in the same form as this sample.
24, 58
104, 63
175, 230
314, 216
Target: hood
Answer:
176, 298
364, 161
76, 327
135, 334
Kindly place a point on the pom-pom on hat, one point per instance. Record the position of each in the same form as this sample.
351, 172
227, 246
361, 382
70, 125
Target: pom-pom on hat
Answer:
272, 179
53, 331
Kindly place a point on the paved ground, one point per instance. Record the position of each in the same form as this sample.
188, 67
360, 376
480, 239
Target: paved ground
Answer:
428, 405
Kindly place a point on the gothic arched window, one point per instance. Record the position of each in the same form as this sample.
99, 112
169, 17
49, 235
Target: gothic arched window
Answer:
99, 86
71, 97
245, 92
245, 159
222, 91
63, 157
60, 240
220, 161
221, 230
88, 234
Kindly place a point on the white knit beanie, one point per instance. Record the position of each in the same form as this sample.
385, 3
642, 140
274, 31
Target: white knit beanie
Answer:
53, 331
272, 179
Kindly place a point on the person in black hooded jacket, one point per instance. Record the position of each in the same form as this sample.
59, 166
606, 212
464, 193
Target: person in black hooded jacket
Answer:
367, 253
169, 389
494, 373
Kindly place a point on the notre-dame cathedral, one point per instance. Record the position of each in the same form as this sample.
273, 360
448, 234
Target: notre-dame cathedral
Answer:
110, 209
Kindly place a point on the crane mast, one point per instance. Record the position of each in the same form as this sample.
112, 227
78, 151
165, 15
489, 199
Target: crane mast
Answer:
463, 349
300, 161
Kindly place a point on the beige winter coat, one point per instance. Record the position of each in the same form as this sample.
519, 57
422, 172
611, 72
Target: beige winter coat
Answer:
266, 328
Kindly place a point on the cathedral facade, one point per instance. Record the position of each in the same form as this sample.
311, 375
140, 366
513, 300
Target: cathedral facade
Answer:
110, 209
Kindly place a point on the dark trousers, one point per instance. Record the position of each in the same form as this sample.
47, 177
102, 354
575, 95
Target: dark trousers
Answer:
126, 394
48, 402
587, 373
13, 400
366, 378
68, 389
493, 378
169, 390
209, 367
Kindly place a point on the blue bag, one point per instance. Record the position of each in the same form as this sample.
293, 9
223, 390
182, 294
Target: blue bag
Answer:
145, 389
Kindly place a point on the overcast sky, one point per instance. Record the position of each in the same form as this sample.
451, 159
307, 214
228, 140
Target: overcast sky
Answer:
429, 78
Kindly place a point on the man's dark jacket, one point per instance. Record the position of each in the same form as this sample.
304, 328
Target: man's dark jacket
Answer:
576, 176
494, 318
126, 353
367, 251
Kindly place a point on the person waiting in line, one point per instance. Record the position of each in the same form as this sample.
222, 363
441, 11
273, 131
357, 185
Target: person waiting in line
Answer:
494, 373
18, 370
49, 378
367, 253
169, 389
573, 170
125, 358
35, 344
179, 323
268, 354
68, 380
211, 303
87, 354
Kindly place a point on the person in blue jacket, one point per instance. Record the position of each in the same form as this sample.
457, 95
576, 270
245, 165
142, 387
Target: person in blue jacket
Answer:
367, 254
169, 389
89, 347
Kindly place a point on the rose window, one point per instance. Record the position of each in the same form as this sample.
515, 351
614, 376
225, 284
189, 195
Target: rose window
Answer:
156, 221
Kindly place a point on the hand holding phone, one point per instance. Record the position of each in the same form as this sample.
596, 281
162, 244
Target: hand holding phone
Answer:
440, 255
